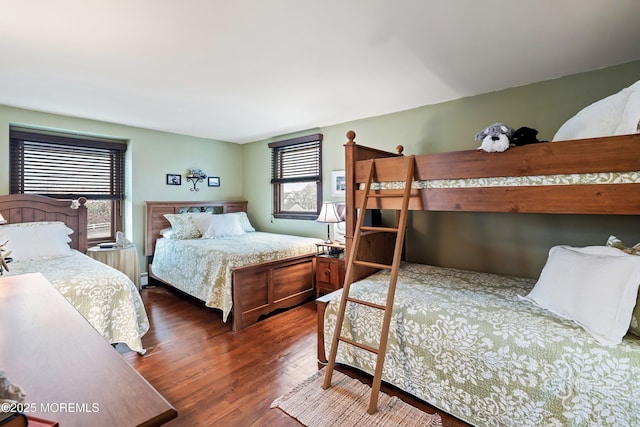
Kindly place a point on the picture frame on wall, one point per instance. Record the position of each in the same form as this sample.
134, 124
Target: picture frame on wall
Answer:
338, 183
174, 179
213, 181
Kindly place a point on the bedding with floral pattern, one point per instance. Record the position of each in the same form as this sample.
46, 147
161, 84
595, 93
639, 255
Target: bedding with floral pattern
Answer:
203, 267
104, 296
468, 344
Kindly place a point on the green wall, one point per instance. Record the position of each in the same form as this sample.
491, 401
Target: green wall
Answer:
502, 243
150, 156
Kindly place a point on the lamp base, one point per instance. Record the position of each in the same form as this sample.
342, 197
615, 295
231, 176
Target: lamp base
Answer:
328, 241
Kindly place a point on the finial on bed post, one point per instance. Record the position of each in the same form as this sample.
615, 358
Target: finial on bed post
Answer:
399, 149
351, 135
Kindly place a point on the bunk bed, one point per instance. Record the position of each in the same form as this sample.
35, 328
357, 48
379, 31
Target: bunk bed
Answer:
104, 296
473, 344
247, 275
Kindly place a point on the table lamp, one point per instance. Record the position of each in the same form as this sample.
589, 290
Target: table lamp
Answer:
328, 215
2, 220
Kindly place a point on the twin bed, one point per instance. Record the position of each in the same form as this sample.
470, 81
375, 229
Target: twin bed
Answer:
242, 272
475, 344
38, 228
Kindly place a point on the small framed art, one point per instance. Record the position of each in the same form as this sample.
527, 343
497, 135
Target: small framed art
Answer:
338, 183
213, 181
174, 179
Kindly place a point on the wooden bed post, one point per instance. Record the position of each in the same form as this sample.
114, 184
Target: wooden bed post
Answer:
371, 245
350, 150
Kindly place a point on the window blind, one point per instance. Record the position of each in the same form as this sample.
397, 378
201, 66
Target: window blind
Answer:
296, 160
66, 166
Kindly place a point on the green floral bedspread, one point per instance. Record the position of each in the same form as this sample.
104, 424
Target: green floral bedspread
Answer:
465, 343
107, 298
203, 267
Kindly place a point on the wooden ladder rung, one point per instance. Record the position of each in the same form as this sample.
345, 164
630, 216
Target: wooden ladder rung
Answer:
359, 345
367, 303
373, 265
385, 195
380, 229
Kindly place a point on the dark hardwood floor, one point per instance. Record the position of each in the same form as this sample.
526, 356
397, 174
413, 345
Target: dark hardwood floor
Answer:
214, 376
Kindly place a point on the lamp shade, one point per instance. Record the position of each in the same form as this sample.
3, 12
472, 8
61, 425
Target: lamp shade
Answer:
2, 220
328, 213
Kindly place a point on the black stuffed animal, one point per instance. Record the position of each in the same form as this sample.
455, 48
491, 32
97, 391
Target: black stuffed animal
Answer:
524, 136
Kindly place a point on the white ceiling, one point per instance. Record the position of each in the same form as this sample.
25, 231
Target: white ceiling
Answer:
246, 70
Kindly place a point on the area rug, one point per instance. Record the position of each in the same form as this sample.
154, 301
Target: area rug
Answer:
345, 403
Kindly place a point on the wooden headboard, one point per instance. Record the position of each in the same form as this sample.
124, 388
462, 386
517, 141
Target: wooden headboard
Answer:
30, 207
155, 220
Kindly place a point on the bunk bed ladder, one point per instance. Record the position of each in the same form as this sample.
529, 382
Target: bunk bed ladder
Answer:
399, 230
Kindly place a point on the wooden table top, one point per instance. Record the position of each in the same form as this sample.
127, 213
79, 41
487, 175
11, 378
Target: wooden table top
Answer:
69, 372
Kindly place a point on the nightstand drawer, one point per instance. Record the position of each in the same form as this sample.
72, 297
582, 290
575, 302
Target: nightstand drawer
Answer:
329, 273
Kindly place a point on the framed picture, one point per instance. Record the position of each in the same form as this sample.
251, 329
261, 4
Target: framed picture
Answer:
213, 181
173, 179
338, 183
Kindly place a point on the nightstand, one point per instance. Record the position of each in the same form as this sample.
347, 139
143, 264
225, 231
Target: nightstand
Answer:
122, 259
329, 269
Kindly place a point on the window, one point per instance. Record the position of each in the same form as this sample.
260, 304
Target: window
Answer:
296, 176
67, 166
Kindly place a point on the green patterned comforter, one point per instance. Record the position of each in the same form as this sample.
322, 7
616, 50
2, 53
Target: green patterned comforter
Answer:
465, 343
203, 267
107, 298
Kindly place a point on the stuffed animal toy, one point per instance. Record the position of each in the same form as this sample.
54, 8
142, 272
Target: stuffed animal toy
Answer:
524, 136
495, 138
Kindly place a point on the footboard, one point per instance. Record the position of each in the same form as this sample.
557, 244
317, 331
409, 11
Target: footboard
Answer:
263, 288
321, 307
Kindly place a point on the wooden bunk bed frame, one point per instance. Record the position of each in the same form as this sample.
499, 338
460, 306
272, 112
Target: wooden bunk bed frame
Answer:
258, 289
17, 208
594, 155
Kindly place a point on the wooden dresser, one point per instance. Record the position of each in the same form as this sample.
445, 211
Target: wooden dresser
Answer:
69, 372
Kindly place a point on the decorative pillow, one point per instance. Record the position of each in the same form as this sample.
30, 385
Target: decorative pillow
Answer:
35, 240
595, 286
222, 225
614, 242
183, 225
244, 222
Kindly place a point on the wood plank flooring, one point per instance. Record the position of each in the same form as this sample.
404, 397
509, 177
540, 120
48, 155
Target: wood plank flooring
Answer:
214, 376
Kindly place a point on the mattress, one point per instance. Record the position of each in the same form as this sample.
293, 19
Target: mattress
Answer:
203, 267
107, 298
464, 342
516, 181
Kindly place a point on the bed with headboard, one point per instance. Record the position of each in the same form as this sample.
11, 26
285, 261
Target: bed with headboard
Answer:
49, 236
493, 350
247, 274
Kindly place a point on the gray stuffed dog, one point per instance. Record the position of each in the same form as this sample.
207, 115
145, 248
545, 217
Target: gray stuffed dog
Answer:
495, 138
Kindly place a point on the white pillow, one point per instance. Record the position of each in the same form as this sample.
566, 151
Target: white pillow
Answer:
221, 225
617, 114
595, 286
35, 240
598, 119
167, 233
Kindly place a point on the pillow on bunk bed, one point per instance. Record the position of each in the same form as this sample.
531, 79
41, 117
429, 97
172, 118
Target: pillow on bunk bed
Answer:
614, 242
222, 225
183, 225
594, 286
617, 114
36, 240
